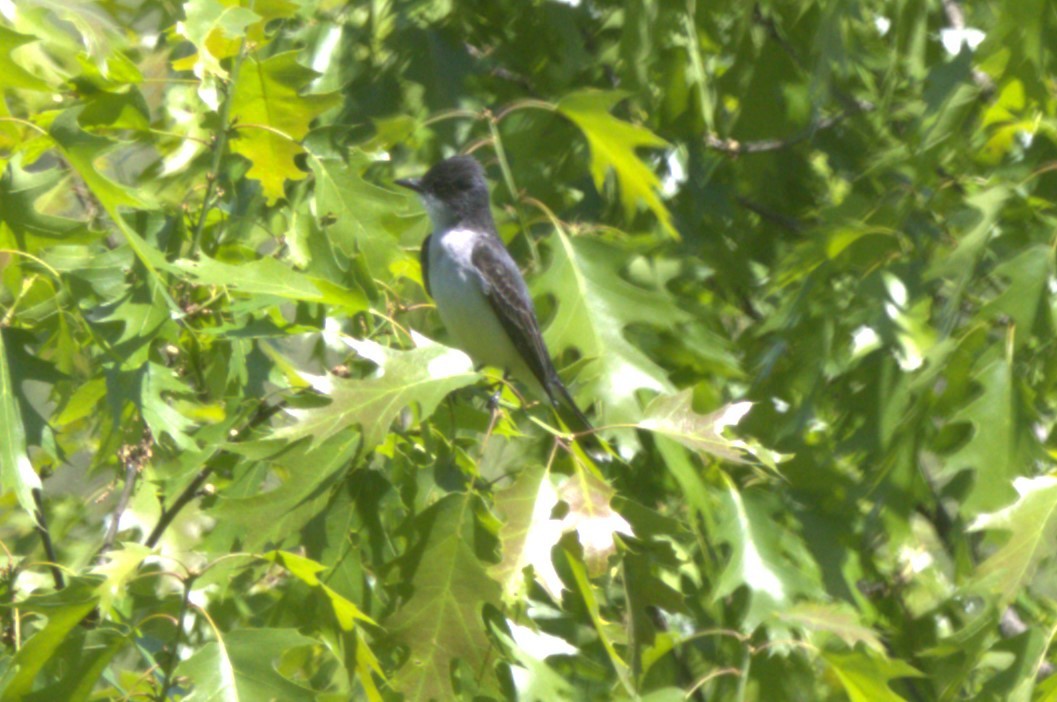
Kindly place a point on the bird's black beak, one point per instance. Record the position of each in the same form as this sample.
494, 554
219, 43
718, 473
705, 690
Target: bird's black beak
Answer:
410, 183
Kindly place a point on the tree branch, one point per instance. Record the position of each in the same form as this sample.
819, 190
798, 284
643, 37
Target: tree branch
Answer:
45, 538
732, 147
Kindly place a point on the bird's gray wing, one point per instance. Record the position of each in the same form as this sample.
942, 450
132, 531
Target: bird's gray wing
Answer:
508, 295
506, 292
423, 260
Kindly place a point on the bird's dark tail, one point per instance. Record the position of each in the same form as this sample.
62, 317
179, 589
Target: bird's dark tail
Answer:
574, 419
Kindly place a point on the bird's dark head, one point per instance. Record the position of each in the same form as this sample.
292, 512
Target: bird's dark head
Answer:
454, 192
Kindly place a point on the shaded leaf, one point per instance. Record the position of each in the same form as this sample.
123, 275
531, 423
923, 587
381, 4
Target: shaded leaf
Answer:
65, 610
241, 666
993, 450
442, 621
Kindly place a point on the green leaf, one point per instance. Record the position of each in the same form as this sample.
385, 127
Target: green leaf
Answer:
674, 417
306, 570
159, 387
422, 376
241, 666
840, 621
590, 599
19, 192
1031, 521
613, 143
65, 610
364, 218
117, 568
442, 621
12, 75
216, 30
272, 116
525, 508
535, 680
16, 472
993, 448
866, 676
267, 276
1027, 295
763, 558
594, 305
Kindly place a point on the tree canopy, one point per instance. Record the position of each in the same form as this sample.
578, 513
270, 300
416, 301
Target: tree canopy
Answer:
796, 259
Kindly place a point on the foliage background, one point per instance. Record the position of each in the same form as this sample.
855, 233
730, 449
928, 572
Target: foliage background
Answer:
259, 479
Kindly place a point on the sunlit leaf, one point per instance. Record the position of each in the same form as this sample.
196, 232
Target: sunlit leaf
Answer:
613, 143
267, 276
866, 676
12, 75
594, 306
16, 472
361, 215
422, 376
1031, 521
272, 116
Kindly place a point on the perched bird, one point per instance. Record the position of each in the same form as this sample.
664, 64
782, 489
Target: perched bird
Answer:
479, 291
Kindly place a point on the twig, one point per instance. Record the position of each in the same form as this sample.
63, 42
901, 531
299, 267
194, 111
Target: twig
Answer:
218, 151
174, 654
784, 221
169, 514
131, 473
45, 538
264, 412
732, 147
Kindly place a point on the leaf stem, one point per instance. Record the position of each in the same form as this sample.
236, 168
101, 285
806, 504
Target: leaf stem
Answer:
170, 664
511, 186
219, 149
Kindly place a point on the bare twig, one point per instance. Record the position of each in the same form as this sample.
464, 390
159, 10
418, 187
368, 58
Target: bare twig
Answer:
169, 514
264, 412
732, 147
45, 538
131, 473
784, 221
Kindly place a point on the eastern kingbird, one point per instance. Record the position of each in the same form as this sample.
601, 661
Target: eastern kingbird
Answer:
480, 293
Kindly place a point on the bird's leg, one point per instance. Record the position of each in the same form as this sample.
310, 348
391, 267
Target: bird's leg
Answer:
493, 405
493, 401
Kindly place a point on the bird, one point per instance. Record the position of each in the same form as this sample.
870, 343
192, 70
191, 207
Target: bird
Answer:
479, 290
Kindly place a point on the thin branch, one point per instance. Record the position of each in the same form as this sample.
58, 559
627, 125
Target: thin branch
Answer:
45, 538
174, 654
784, 221
264, 412
219, 148
732, 147
168, 515
131, 473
